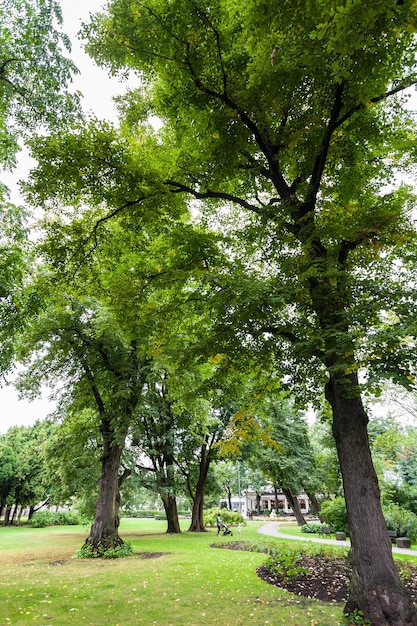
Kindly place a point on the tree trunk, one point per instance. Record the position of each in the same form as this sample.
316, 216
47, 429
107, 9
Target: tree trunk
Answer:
376, 588
104, 531
197, 514
258, 503
170, 506
315, 507
12, 520
293, 500
7, 510
276, 499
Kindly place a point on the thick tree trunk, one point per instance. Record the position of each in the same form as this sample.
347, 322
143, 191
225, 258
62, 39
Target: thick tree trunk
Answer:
197, 514
104, 531
293, 500
376, 588
170, 506
315, 507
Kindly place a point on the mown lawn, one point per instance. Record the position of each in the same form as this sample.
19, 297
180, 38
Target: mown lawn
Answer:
189, 584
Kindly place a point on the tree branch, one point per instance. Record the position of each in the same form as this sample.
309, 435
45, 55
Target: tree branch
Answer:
180, 187
320, 162
375, 100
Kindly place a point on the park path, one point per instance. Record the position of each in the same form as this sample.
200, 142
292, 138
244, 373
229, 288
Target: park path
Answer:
272, 529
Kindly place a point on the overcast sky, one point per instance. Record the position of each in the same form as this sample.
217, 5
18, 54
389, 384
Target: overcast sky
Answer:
97, 89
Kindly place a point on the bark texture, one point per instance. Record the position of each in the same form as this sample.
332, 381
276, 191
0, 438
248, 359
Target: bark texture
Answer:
376, 588
105, 530
171, 511
197, 514
293, 500
315, 507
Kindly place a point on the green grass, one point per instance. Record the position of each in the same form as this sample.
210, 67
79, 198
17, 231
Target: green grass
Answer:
190, 584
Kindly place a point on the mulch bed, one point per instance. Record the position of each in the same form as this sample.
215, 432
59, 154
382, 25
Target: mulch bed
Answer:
327, 579
328, 576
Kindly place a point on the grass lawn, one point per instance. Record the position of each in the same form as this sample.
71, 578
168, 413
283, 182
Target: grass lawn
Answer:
189, 584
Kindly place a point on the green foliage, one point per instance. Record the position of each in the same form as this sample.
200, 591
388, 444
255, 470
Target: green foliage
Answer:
30, 480
356, 618
227, 517
335, 515
87, 551
34, 71
284, 565
143, 513
41, 519
311, 527
283, 455
403, 522
15, 260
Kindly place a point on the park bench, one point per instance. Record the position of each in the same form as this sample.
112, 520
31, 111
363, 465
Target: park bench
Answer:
392, 535
325, 531
403, 542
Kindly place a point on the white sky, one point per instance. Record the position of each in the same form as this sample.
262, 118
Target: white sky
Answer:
97, 89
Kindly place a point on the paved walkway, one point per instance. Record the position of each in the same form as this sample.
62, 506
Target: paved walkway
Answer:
272, 529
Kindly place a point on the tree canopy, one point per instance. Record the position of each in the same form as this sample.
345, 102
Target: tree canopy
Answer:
285, 126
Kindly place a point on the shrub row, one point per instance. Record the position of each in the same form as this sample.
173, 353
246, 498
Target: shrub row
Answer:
398, 519
156, 513
49, 518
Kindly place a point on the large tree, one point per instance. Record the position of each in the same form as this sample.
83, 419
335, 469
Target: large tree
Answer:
289, 113
77, 340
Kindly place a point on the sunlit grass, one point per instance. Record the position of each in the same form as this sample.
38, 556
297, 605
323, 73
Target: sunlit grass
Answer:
189, 584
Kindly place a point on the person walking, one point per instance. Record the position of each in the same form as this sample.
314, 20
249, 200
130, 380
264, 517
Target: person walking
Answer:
219, 524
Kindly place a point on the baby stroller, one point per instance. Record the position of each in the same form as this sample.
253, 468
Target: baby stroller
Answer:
226, 530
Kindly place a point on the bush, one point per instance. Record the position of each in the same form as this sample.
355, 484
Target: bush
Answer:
147, 513
335, 515
228, 517
41, 519
117, 552
312, 527
403, 522
51, 518
66, 518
